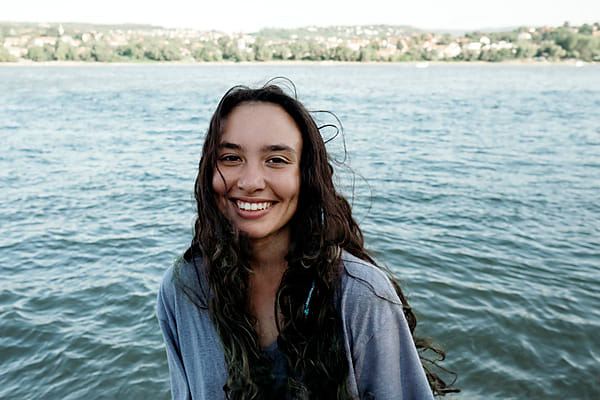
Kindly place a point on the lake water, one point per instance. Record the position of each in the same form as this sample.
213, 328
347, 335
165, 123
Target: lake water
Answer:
478, 185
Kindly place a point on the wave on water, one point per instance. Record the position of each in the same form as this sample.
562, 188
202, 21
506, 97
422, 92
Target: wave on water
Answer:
477, 186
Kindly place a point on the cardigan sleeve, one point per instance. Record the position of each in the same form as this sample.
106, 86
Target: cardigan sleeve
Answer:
387, 365
385, 362
165, 312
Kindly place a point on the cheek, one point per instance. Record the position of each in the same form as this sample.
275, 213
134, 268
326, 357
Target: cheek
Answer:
217, 183
219, 190
293, 187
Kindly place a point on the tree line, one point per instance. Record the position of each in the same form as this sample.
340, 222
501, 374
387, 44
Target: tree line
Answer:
565, 42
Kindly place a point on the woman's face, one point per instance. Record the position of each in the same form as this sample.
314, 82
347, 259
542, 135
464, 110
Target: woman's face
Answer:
259, 157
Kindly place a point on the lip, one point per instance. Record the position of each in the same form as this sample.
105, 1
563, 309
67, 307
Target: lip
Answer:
252, 199
246, 214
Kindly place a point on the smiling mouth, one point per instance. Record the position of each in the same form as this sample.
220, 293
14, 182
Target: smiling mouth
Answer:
259, 206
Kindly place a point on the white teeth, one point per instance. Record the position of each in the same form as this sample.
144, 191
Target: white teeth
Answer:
253, 206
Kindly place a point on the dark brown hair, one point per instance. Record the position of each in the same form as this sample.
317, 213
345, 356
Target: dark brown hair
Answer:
322, 226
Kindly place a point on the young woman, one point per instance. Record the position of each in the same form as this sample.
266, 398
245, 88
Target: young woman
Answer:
276, 297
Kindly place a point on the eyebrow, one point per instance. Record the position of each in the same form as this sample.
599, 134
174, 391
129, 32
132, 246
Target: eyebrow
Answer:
228, 145
278, 147
264, 149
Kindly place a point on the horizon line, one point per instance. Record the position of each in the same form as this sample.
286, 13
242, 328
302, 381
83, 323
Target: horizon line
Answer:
498, 28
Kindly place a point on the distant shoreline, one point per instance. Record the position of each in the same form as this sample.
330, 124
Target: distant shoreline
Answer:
423, 64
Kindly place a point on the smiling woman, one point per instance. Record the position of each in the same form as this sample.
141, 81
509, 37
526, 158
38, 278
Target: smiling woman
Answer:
257, 176
276, 296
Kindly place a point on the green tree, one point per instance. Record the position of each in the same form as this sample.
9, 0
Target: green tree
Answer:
446, 38
262, 52
5, 56
429, 55
565, 39
474, 36
170, 52
51, 32
102, 52
316, 51
401, 57
73, 53
495, 55
585, 29
586, 47
596, 48
526, 49
132, 51
551, 50
232, 53
511, 37
49, 51
62, 51
299, 50
281, 52
223, 42
367, 53
227, 49
343, 53
468, 55
84, 54
208, 52
37, 53
152, 51
413, 54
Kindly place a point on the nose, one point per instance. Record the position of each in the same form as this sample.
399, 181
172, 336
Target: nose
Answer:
251, 178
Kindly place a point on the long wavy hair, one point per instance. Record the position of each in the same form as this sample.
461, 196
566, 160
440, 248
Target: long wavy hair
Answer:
323, 225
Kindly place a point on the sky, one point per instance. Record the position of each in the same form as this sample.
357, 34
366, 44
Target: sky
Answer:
249, 16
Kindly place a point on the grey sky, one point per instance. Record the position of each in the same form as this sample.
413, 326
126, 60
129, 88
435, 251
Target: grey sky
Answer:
247, 15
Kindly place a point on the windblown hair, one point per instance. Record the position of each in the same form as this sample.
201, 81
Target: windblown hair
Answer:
323, 225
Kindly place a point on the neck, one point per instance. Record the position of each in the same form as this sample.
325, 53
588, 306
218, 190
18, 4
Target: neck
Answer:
268, 254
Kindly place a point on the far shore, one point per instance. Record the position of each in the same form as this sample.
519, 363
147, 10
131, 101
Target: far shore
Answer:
27, 63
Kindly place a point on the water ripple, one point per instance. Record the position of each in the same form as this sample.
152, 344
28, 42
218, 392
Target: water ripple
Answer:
478, 188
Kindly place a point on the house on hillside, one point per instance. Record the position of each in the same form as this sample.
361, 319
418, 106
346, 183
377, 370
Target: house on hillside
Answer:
356, 44
472, 46
43, 40
16, 46
524, 36
448, 51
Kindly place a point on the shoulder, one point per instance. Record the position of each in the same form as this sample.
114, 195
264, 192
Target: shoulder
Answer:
382, 354
361, 278
181, 271
183, 281
368, 303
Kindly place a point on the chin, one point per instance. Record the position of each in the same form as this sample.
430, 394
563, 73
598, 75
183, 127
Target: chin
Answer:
261, 234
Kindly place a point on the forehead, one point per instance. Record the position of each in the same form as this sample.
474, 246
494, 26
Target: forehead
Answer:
260, 122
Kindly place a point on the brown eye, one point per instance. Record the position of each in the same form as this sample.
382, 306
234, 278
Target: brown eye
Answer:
229, 158
277, 160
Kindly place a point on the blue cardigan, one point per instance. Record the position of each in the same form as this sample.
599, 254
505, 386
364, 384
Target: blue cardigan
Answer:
381, 353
